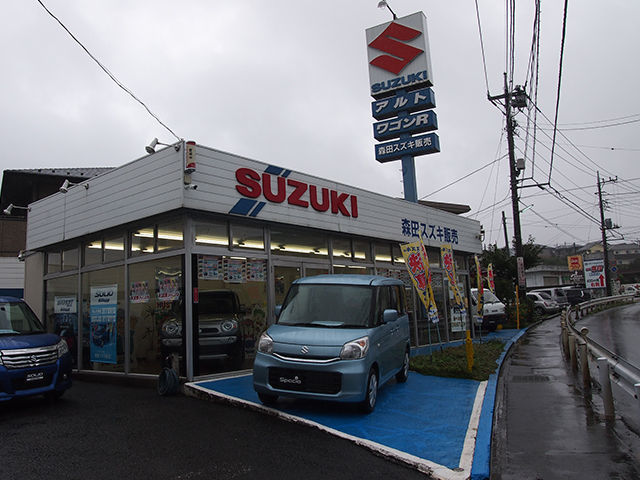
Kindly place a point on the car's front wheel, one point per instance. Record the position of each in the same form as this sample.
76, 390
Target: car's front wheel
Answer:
403, 374
539, 311
369, 402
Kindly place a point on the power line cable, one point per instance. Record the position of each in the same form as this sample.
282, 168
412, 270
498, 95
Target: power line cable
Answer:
117, 82
484, 60
555, 123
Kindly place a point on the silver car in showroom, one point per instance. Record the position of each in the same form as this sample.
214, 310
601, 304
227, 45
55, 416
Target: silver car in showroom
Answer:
337, 337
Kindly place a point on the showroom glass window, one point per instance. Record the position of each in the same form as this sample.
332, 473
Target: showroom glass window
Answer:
103, 324
212, 234
142, 241
298, 243
170, 235
62, 310
156, 297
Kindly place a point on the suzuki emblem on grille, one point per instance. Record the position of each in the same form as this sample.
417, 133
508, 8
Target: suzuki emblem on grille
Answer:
33, 359
304, 350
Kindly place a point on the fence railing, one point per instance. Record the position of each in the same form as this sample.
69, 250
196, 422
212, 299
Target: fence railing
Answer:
583, 351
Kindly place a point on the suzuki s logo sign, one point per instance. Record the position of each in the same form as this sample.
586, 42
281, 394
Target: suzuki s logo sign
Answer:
398, 54
273, 186
392, 41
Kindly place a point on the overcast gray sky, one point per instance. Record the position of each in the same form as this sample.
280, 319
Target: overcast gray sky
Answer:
286, 82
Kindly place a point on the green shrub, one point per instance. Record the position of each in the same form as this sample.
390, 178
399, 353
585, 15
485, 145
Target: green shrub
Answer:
452, 361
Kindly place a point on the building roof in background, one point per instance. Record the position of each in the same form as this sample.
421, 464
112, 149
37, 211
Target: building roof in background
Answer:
24, 186
63, 172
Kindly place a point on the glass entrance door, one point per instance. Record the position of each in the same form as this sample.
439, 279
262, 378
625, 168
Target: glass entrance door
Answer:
283, 277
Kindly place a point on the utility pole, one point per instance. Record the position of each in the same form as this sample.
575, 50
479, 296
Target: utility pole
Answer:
604, 226
513, 170
515, 202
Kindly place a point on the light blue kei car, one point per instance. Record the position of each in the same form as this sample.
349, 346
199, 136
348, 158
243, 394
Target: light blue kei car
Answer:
337, 337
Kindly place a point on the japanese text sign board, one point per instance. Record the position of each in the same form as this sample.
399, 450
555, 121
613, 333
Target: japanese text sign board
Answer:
410, 124
415, 146
408, 102
594, 274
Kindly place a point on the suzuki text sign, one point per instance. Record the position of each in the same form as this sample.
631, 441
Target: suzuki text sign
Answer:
398, 54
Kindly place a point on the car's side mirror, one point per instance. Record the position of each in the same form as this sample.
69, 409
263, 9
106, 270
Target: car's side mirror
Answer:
390, 315
277, 310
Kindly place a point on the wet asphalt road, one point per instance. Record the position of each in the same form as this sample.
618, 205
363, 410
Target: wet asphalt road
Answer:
99, 431
618, 330
546, 427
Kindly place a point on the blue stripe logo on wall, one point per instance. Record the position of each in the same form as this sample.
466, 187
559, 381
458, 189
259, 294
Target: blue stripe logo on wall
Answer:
247, 207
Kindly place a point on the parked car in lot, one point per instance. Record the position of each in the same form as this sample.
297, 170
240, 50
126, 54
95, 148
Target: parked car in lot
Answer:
629, 290
219, 328
32, 361
337, 337
494, 310
556, 293
543, 303
577, 295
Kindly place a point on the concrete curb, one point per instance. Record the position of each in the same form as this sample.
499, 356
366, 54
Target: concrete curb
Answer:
481, 466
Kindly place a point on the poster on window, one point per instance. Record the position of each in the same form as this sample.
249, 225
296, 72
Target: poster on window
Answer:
104, 305
65, 317
210, 267
457, 320
235, 270
256, 270
139, 292
168, 284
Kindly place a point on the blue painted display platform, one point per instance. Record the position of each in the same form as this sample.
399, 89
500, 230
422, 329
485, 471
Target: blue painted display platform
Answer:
429, 422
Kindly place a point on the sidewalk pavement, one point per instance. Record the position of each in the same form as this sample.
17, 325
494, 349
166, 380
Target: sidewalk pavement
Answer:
440, 426
546, 427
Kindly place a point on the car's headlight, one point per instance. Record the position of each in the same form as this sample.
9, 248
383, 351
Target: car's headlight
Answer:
62, 348
265, 344
355, 349
173, 329
229, 326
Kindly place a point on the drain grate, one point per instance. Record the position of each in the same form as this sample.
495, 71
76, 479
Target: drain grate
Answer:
530, 378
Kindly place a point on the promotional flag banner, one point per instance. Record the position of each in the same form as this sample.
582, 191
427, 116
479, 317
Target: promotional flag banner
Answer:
480, 288
447, 261
415, 256
492, 285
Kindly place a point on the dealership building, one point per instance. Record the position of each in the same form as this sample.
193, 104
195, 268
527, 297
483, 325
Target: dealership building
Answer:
112, 260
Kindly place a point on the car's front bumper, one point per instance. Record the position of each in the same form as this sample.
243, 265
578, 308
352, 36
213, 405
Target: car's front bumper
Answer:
339, 380
27, 382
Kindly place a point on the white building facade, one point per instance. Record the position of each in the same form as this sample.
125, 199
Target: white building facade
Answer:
150, 236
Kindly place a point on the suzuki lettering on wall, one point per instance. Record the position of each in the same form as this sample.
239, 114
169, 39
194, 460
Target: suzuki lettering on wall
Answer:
275, 186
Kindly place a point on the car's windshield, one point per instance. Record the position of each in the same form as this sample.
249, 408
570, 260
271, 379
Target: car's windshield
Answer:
328, 306
489, 297
16, 318
218, 302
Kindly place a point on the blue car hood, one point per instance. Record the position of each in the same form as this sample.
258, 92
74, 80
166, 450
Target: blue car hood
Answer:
320, 336
10, 342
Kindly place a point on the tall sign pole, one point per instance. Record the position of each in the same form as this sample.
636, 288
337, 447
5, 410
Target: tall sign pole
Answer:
399, 78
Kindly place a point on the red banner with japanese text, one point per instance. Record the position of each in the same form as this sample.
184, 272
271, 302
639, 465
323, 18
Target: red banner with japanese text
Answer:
417, 262
447, 262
